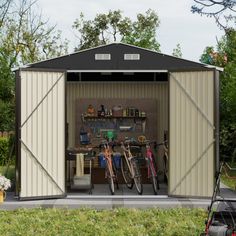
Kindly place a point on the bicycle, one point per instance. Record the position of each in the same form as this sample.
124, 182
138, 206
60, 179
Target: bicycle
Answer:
130, 169
110, 169
165, 160
151, 165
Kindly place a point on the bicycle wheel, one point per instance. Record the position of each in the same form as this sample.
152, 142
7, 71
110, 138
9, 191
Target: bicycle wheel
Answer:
154, 178
126, 174
115, 176
110, 179
137, 176
165, 169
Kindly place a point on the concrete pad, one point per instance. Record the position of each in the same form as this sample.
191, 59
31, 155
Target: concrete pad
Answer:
102, 199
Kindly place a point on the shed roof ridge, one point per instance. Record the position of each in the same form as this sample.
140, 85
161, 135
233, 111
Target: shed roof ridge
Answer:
117, 44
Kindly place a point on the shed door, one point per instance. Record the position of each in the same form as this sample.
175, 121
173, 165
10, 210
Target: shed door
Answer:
42, 138
191, 164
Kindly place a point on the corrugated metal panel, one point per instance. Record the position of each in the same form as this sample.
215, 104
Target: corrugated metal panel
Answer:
42, 134
158, 91
191, 162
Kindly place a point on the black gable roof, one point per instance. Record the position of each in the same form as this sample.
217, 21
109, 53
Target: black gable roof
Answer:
149, 60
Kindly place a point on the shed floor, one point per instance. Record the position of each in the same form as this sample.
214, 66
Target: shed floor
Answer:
103, 189
110, 202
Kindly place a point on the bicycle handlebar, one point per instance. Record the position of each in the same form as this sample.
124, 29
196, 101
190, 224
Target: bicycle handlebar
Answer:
127, 142
155, 143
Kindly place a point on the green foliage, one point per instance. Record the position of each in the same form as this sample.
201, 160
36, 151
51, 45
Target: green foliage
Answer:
6, 81
227, 134
106, 222
7, 150
228, 182
225, 56
7, 158
9, 172
25, 38
113, 26
142, 32
7, 116
228, 97
177, 51
7, 99
4, 150
211, 57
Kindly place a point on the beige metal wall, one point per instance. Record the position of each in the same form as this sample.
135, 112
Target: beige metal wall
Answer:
42, 134
191, 164
158, 91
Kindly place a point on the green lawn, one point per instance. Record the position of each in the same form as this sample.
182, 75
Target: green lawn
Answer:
228, 176
233, 165
120, 221
229, 182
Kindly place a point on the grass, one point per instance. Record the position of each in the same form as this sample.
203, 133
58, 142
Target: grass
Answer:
228, 177
231, 183
120, 221
233, 165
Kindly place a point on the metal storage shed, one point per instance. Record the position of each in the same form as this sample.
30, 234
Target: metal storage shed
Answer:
46, 91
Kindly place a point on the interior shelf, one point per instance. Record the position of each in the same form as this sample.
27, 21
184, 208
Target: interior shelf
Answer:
115, 117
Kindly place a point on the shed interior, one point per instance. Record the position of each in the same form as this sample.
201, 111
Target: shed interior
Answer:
116, 106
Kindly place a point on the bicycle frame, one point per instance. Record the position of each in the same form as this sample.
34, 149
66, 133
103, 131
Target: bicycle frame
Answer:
128, 156
133, 176
107, 155
150, 156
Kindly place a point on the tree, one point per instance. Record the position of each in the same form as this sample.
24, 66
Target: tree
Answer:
113, 26
177, 51
4, 8
225, 56
142, 32
223, 11
25, 38
212, 57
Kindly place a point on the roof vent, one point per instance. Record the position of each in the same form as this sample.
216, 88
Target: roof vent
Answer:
132, 57
102, 57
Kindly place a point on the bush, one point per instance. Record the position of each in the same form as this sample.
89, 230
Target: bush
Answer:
4, 150
228, 142
7, 150
7, 116
9, 172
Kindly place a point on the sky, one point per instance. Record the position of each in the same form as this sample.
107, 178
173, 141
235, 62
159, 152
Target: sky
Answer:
178, 25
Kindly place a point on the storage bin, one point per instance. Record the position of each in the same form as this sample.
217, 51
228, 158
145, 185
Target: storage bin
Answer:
117, 159
102, 160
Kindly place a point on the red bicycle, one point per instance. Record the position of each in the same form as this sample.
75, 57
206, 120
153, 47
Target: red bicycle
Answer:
151, 164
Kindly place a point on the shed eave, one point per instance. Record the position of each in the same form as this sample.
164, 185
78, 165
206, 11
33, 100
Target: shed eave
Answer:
90, 71
214, 67
20, 67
